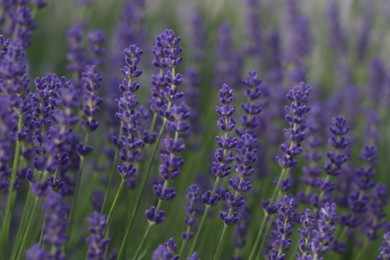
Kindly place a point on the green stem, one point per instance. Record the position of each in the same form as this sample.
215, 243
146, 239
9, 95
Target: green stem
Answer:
11, 196
26, 233
140, 194
148, 228
266, 216
118, 193
206, 211
27, 209
266, 231
220, 242
114, 165
183, 245
74, 202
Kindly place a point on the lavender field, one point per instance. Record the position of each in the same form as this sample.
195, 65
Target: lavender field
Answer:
194, 129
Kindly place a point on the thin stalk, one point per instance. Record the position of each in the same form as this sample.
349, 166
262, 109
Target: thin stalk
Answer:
220, 242
140, 194
32, 216
205, 212
268, 228
183, 245
22, 226
118, 193
114, 165
11, 196
266, 215
74, 202
148, 228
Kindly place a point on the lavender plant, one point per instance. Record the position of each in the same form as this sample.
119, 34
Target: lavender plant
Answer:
116, 147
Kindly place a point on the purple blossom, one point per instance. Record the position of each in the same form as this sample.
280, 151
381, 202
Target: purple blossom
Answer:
229, 63
191, 96
252, 108
198, 37
193, 208
311, 169
8, 123
323, 235
96, 40
305, 246
384, 251
96, 241
242, 226
374, 220
22, 25
166, 251
284, 223
223, 155
54, 230
253, 29
299, 40
131, 141
76, 51
165, 103
335, 161
296, 118
36, 252
91, 82
337, 40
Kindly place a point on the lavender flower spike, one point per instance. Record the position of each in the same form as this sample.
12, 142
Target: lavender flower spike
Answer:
166, 251
323, 236
296, 118
285, 214
223, 156
54, 229
130, 143
384, 251
96, 241
193, 208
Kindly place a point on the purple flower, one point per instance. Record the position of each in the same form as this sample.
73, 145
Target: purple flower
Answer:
252, 108
166, 56
296, 118
193, 208
131, 141
374, 220
76, 51
22, 25
384, 251
91, 82
323, 235
284, 223
54, 230
167, 51
96, 40
223, 155
335, 160
191, 96
96, 241
253, 31
337, 39
36, 252
311, 169
299, 40
308, 222
166, 251
198, 37
229, 63
165, 103
242, 226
